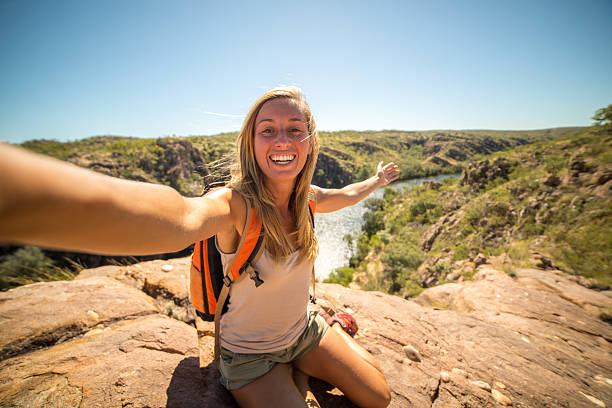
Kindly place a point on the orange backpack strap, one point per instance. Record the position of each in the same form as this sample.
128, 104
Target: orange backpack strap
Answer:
206, 274
248, 251
312, 205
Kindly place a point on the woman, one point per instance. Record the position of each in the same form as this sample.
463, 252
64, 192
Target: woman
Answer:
263, 363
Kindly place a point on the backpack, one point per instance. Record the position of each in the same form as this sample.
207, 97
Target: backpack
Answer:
209, 284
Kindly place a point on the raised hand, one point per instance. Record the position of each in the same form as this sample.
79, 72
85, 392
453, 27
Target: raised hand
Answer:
388, 173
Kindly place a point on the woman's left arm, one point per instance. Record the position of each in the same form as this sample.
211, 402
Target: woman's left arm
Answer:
333, 199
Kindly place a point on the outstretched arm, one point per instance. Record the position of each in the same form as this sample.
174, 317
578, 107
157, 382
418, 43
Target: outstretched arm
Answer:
53, 204
331, 199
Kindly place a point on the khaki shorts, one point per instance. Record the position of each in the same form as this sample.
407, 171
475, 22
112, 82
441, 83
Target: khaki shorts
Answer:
239, 369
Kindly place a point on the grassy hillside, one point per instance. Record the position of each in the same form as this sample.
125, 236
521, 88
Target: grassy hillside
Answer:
346, 156
183, 163
548, 203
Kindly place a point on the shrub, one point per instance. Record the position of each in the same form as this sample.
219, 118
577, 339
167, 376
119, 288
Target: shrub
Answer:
461, 252
363, 247
374, 222
342, 275
28, 265
390, 193
400, 254
425, 208
475, 211
411, 289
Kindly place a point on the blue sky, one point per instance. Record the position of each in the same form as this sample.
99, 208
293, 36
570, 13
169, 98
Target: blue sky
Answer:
74, 69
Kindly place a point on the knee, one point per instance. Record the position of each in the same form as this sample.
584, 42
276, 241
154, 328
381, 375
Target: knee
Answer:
380, 399
385, 399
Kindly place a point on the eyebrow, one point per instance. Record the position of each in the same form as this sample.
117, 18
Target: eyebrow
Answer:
270, 120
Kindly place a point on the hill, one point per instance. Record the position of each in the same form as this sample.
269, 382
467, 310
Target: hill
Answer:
345, 157
547, 204
185, 162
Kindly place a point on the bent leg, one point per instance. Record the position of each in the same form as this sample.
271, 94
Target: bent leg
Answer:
301, 380
274, 389
340, 361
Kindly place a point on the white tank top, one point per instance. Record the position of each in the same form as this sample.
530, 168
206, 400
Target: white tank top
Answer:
272, 316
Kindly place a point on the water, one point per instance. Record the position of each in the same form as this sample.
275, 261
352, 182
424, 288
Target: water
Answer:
332, 227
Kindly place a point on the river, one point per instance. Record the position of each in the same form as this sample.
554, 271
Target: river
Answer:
332, 227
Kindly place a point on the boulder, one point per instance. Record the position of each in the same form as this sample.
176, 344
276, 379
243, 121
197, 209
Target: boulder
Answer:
552, 180
146, 362
478, 174
168, 289
44, 314
431, 235
536, 340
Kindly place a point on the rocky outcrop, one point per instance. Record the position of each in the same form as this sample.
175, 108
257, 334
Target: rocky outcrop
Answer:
478, 174
330, 172
536, 339
445, 149
180, 160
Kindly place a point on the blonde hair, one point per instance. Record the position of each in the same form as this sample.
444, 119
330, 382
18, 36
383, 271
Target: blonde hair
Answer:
248, 179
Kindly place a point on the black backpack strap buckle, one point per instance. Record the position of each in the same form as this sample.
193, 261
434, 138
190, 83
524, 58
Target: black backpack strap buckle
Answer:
254, 275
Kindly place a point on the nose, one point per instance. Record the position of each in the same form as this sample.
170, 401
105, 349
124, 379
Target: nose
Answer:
282, 139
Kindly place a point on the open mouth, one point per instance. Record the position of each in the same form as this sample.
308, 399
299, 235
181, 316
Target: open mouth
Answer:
282, 158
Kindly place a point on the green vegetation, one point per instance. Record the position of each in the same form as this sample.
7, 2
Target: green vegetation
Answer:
346, 156
29, 265
603, 116
342, 275
553, 198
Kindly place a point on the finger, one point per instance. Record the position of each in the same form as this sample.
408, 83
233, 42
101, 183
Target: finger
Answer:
393, 169
391, 165
393, 174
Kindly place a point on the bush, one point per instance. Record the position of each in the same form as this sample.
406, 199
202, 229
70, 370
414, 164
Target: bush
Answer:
363, 247
400, 254
342, 275
374, 222
425, 208
389, 194
460, 252
28, 265
475, 211
411, 289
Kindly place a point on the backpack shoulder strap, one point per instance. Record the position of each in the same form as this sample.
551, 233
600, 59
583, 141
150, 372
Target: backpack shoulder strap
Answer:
248, 251
312, 205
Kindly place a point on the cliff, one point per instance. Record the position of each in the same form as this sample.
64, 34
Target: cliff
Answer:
345, 156
185, 162
551, 198
124, 336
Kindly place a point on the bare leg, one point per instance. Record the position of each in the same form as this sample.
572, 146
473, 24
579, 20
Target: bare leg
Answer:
301, 381
274, 389
340, 361
283, 386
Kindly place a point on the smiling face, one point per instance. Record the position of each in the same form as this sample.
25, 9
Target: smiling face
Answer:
281, 140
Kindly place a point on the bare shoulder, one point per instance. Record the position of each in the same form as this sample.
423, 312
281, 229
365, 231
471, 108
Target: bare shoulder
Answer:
230, 225
230, 203
238, 207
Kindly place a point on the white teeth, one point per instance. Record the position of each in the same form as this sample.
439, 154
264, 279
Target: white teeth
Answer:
282, 157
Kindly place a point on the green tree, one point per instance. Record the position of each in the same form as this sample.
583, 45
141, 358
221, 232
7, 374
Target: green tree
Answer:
603, 116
